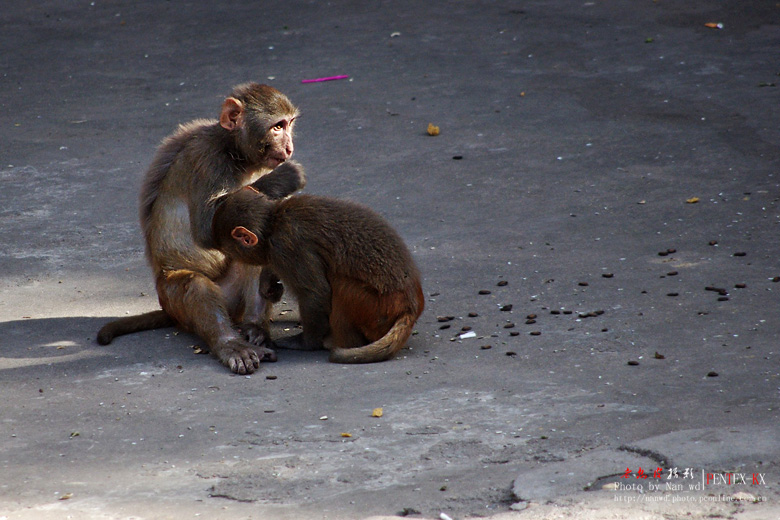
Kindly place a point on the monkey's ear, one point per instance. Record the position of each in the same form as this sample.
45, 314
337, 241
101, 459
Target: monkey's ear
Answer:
232, 113
244, 237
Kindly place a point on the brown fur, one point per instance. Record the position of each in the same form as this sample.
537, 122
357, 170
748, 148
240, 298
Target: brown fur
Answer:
354, 278
199, 288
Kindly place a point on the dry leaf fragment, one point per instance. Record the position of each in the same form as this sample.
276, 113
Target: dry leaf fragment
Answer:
692, 200
433, 129
378, 412
66, 496
346, 435
714, 25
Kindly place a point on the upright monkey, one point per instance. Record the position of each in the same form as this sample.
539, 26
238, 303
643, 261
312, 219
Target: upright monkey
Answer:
199, 288
354, 278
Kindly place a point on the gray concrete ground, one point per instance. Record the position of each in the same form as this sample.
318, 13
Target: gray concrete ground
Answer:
595, 156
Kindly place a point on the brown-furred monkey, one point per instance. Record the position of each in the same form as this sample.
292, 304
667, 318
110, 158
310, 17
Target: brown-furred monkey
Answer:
199, 288
355, 280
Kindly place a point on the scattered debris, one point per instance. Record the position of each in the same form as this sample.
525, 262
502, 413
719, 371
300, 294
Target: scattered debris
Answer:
329, 78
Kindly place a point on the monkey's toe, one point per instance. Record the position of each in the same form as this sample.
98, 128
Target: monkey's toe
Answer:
239, 357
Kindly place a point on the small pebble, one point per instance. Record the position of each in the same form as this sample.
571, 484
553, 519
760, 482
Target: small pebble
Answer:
484, 291
506, 308
514, 333
740, 285
531, 317
713, 242
583, 284
712, 374
536, 333
509, 326
530, 322
607, 275
672, 273
457, 157
473, 315
445, 318
510, 353
486, 347
673, 294
465, 328
740, 253
502, 283
633, 363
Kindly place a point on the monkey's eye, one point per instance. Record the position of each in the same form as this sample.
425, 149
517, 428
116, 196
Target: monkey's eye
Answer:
280, 125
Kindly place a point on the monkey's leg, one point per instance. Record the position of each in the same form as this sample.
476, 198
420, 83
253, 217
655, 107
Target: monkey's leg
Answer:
314, 308
342, 333
248, 295
197, 304
349, 307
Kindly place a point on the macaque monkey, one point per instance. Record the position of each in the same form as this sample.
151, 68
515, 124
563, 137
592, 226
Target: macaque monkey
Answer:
355, 280
200, 289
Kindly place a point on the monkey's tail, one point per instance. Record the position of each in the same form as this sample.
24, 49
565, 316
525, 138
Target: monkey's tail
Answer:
382, 349
148, 321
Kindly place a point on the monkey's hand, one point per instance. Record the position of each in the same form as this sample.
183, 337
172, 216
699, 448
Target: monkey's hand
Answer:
254, 334
285, 180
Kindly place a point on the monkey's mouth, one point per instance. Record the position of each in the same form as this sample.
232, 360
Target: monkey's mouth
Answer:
273, 162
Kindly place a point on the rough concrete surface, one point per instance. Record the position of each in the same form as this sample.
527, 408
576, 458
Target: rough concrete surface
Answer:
609, 167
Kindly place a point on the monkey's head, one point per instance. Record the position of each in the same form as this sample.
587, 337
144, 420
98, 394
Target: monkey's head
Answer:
261, 120
240, 225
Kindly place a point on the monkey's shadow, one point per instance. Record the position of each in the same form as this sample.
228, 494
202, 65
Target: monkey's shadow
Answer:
69, 344
55, 343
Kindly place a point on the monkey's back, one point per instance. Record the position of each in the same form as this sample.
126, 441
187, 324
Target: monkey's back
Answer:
352, 239
165, 208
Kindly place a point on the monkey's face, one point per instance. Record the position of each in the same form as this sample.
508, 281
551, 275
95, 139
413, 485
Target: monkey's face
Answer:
279, 140
261, 118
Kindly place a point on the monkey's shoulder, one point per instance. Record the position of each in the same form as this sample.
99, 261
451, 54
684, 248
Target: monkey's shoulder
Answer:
352, 238
332, 209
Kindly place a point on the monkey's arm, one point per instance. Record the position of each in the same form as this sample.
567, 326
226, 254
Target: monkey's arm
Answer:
285, 180
206, 187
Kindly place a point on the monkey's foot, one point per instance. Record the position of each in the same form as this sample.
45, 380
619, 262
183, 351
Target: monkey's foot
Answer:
241, 357
297, 342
